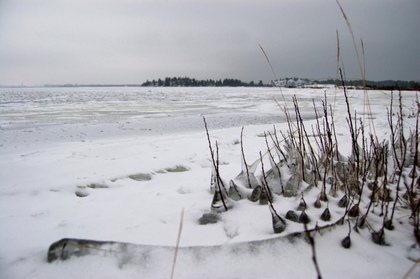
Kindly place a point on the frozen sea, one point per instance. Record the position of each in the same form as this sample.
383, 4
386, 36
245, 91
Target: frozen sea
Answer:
84, 113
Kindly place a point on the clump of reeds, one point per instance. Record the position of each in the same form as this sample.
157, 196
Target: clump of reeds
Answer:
369, 181
379, 179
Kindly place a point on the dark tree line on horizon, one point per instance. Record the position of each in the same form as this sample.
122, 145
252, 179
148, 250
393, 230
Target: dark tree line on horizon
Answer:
192, 82
228, 82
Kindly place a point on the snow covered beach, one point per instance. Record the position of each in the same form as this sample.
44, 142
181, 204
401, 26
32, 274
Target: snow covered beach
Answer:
67, 156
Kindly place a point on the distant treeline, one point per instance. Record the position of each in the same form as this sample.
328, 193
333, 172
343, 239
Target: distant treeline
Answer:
192, 82
285, 82
230, 82
384, 84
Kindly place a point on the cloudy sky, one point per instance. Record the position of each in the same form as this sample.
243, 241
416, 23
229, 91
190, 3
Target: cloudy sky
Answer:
128, 41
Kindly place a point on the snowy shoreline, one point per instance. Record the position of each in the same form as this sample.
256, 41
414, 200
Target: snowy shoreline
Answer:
47, 160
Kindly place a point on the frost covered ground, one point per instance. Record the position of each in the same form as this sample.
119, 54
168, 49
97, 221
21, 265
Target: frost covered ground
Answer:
68, 157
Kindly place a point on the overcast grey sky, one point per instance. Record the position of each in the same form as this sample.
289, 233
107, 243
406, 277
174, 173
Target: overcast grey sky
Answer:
127, 41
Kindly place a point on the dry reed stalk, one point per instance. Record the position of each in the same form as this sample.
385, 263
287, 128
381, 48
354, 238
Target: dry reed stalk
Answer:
272, 69
411, 270
181, 222
314, 258
285, 111
219, 181
244, 161
338, 66
362, 68
354, 42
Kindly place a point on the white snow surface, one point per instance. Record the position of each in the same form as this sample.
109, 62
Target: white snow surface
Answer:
55, 142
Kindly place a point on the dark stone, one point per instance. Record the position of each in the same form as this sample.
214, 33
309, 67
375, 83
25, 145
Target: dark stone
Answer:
279, 225
326, 215
346, 242
388, 225
304, 218
292, 216
379, 237
256, 194
343, 202
317, 203
354, 211
209, 218
81, 193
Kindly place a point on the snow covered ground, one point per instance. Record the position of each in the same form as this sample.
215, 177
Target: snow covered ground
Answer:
67, 155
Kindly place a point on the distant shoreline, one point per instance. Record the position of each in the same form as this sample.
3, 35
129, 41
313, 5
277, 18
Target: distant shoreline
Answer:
283, 82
